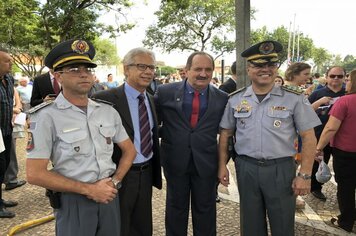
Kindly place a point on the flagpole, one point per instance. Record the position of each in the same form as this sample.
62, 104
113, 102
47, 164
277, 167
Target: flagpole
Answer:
293, 43
298, 35
289, 41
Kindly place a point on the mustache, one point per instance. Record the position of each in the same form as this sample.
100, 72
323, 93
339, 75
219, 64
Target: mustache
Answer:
201, 78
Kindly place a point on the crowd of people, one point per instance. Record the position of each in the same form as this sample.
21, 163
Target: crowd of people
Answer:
107, 143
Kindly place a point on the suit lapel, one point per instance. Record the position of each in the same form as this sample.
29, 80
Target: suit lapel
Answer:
178, 98
123, 105
211, 104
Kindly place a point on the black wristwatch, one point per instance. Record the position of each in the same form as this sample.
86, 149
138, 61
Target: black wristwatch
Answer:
304, 176
117, 183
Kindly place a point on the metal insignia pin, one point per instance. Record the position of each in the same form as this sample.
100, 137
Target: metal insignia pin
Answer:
277, 123
178, 99
77, 149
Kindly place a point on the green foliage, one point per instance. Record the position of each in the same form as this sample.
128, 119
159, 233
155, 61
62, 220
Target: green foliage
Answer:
105, 52
190, 24
166, 70
31, 28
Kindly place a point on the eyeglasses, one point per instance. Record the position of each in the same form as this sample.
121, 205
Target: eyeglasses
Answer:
143, 67
336, 76
77, 71
262, 65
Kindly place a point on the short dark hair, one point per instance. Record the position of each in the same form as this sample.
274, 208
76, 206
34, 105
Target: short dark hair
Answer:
233, 68
317, 75
109, 74
327, 72
190, 59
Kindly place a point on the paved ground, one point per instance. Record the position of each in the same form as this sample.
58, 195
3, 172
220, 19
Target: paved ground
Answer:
313, 220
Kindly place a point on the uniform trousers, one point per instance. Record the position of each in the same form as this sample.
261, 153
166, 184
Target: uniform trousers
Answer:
200, 191
4, 161
136, 201
344, 164
79, 215
265, 189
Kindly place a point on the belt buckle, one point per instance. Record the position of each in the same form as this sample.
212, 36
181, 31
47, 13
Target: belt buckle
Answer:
144, 166
261, 162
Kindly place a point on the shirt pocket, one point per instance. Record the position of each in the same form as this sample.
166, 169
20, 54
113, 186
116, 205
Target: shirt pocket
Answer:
279, 118
243, 119
74, 143
106, 136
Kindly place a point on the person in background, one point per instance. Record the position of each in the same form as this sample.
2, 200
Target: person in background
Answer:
182, 73
322, 100
6, 113
77, 135
136, 108
25, 92
10, 178
190, 112
96, 86
262, 117
340, 132
296, 76
45, 88
110, 83
229, 85
278, 81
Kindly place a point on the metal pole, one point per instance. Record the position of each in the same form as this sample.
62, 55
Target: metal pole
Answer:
222, 70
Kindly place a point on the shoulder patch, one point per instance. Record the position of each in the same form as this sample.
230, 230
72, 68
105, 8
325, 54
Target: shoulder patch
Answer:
237, 91
39, 106
292, 89
102, 101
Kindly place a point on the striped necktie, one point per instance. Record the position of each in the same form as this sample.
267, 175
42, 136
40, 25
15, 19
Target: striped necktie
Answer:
145, 131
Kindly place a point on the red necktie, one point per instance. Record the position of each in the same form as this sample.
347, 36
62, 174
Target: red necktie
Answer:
56, 88
145, 131
195, 110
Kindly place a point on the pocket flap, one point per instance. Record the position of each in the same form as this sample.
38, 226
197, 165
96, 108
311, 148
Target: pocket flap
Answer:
74, 136
107, 131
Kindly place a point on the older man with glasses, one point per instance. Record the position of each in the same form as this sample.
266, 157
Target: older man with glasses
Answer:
322, 101
136, 108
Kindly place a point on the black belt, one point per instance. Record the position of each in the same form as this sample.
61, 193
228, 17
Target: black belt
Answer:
264, 162
140, 166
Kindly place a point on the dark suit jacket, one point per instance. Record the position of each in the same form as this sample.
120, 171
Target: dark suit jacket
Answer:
117, 97
228, 86
180, 142
42, 86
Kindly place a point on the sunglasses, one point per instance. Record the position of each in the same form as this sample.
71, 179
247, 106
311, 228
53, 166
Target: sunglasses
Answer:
336, 76
262, 65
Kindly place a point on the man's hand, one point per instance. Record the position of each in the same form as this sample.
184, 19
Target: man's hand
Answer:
223, 176
301, 186
102, 191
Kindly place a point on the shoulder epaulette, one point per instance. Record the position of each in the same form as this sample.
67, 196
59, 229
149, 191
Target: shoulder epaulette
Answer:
102, 101
292, 89
39, 106
237, 91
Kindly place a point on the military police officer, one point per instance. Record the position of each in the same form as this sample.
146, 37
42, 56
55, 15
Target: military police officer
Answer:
266, 119
77, 134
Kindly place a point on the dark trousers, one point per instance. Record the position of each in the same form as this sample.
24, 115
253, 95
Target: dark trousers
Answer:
136, 202
186, 188
13, 166
315, 185
344, 164
4, 160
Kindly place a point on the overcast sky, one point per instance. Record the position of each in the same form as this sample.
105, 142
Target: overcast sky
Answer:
328, 22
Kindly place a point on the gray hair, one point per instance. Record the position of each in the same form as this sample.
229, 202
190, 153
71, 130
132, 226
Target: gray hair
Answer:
129, 57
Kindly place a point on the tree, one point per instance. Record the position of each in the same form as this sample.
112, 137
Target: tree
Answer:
31, 28
191, 25
105, 52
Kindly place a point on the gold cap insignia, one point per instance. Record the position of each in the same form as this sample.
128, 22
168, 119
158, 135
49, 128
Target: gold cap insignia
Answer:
266, 48
80, 46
